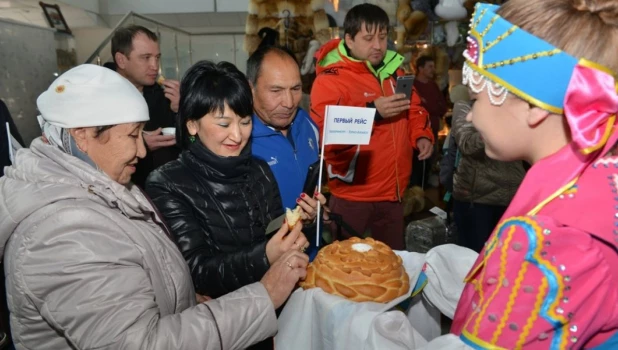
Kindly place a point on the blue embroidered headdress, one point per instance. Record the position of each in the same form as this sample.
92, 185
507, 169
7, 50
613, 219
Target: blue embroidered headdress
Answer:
503, 58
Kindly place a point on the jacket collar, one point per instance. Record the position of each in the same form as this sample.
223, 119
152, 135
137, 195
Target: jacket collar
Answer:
334, 55
216, 168
260, 129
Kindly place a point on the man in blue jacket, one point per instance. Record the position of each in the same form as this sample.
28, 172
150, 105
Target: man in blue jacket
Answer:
283, 134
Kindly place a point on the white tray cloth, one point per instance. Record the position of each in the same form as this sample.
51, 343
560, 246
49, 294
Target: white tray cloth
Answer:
315, 320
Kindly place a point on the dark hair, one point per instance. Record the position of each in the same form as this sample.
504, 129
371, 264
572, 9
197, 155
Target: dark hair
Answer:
269, 36
367, 15
422, 60
122, 41
207, 87
110, 65
254, 63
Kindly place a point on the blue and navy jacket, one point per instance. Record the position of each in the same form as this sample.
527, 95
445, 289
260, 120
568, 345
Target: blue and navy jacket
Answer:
289, 157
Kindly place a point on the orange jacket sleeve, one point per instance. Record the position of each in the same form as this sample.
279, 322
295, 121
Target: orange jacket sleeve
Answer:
418, 120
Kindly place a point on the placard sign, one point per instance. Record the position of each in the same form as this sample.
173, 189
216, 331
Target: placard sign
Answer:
348, 125
344, 125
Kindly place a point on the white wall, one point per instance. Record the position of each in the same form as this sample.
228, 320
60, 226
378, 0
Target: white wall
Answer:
27, 66
121, 7
87, 5
87, 40
29, 11
232, 5
214, 47
216, 30
220, 48
222, 37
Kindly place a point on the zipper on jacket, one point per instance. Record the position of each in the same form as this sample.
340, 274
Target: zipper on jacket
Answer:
378, 75
397, 185
380, 83
293, 146
297, 165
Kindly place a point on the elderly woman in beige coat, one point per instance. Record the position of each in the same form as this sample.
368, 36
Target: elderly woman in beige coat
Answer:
89, 264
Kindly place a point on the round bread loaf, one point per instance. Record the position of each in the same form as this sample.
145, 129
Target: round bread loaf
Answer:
359, 270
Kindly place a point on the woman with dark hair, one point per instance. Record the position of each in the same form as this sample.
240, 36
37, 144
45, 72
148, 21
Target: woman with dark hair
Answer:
217, 198
88, 261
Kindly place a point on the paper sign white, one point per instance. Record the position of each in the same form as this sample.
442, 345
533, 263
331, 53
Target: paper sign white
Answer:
348, 125
344, 125
439, 212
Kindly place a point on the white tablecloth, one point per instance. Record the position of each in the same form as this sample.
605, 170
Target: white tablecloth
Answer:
315, 320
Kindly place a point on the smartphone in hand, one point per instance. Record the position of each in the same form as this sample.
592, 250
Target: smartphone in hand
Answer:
311, 181
405, 83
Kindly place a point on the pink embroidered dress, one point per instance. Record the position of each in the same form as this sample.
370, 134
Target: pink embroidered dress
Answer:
548, 276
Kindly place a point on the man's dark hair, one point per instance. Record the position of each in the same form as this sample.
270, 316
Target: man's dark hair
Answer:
422, 60
110, 65
122, 41
207, 87
368, 15
254, 63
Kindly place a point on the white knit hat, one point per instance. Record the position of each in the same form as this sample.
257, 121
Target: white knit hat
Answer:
90, 95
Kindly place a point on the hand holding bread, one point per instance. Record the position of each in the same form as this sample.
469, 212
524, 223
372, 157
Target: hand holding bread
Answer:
160, 80
285, 240
171, 88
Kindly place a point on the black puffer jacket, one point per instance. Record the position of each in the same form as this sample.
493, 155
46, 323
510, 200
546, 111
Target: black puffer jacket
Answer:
217, 210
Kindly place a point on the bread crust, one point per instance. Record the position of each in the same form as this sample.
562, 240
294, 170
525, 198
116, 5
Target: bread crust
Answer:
377, 275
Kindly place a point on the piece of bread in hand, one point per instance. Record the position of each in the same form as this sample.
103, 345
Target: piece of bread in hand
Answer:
160, 79
292, 216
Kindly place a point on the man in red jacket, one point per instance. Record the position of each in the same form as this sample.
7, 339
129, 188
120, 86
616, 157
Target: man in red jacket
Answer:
434, 102
367, 182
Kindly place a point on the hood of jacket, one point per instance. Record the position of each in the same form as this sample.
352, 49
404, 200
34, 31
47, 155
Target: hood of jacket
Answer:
334, 55
43, 174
